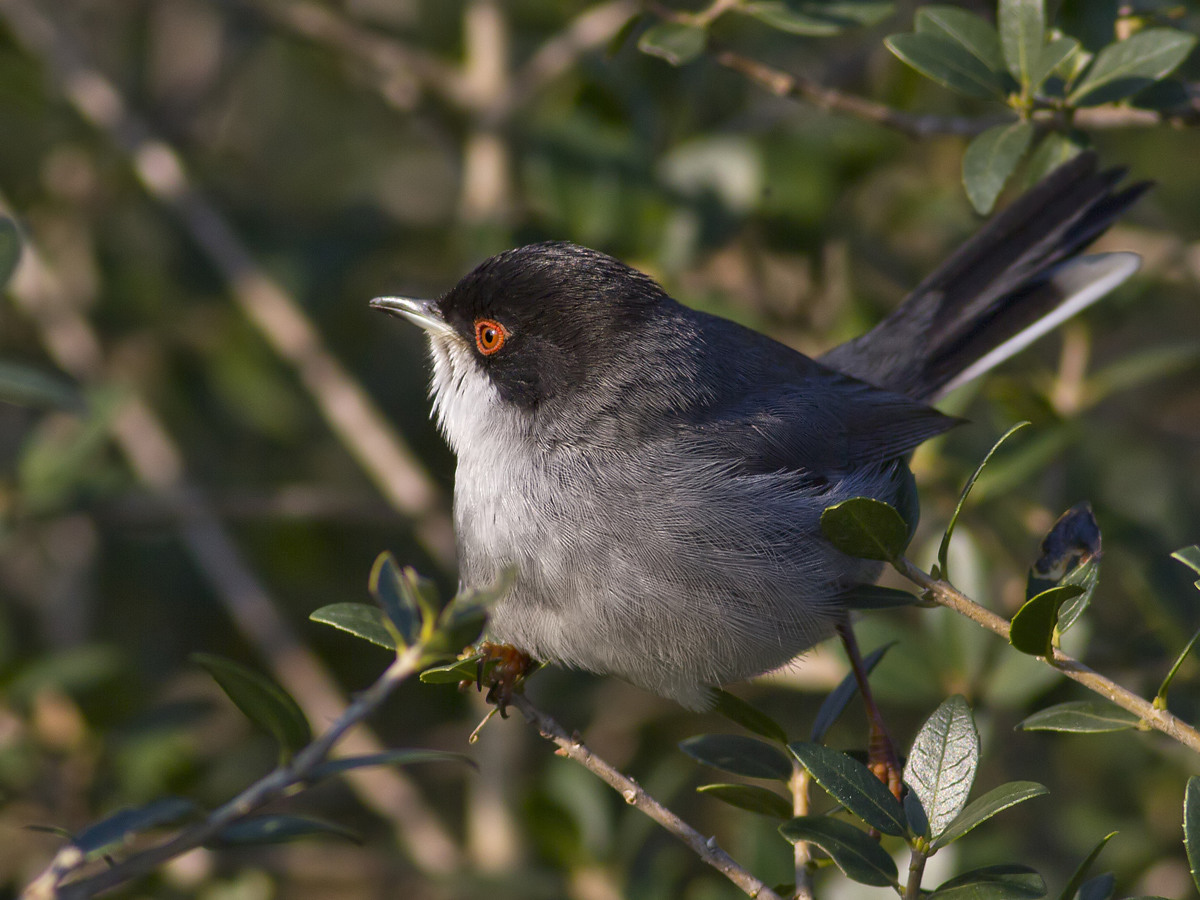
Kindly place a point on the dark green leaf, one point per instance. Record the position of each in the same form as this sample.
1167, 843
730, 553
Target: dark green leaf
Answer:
983, 808
387, 587
841, 695
459, 626
948, 63
1189, 556
866, 528
1160, 698
750, 797
1191, 827
453, 673
1004, 882
874, 596
853, 785
1098, 888
738, 710
1076, 881
119, 827
386, 758
739, 754
972, 33
1126, 67
1081, 716
941, 765
1052, 56
817, 18
622, 35
1033, 626
676, 42
277, 830
918, 822
261, 700
1086, 577
29, 387
359, 619
1052, 151
990, 159
10, 250
944, 548
1022, 26
853, 851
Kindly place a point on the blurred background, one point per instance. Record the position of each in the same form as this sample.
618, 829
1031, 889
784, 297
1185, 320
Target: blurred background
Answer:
210, 193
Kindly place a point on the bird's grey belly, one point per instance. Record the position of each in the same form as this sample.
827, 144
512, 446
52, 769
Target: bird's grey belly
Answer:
674, 579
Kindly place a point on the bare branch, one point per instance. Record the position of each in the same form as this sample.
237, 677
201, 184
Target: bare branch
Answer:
572, 747
947, 595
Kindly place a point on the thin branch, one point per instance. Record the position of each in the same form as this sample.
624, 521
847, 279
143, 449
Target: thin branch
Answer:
572, 747
270, 787
947, 595
346, 407
798, 785
158, 463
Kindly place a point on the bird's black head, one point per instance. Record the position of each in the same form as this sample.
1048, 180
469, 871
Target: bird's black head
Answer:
540, 319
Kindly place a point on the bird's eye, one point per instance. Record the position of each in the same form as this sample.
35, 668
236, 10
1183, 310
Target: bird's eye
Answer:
489, 336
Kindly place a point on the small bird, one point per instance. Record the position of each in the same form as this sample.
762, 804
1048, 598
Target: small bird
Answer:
654, 476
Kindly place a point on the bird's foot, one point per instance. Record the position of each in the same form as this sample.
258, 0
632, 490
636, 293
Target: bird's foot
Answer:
503, 667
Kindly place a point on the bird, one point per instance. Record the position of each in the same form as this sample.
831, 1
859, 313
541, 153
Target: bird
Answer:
653, 476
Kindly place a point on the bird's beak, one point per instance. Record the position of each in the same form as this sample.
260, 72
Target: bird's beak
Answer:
421, 312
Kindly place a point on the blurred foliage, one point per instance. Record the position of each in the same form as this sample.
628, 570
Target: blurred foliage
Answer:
348, 176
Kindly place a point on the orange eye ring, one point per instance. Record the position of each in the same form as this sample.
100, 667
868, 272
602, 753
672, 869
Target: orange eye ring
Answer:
490, 336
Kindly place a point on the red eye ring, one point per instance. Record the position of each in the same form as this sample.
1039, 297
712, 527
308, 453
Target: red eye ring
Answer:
490, 336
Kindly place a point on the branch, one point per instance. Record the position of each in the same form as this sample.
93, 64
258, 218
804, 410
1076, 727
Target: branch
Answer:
945, 594
271, 787
808, 90
572, 747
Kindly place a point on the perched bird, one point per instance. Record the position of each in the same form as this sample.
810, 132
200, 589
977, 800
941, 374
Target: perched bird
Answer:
654, 476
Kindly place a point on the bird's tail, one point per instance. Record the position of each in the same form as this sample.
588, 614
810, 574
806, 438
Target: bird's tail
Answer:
1018, 277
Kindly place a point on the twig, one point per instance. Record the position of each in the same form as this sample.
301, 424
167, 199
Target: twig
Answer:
270, 787
572, 747
158, 463
346, 407
947, 595
798, 785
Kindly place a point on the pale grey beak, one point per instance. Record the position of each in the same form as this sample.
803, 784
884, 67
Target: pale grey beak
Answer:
421, 312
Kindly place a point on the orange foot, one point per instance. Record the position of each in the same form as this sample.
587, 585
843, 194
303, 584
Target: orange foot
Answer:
509, 670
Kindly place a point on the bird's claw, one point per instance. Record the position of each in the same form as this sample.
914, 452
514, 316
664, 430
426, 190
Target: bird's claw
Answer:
507, 672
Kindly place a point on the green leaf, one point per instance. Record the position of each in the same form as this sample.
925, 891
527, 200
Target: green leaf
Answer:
453, 673
1022, 25
1086, 577
10, 250
261, 700
1191, 827
866, 528
1081, 717
1160, 699
1189, 556
1033, 627
386, 585
853, 851
948, 63
116, 829
1052, 56
738, 710
874, 596
359, 619
750, 797
24, 386
944, 548
1003, 882
1126, 67
990, 159
459, 626
841, 695
974, 34
676, 42
983, 808
817, 18
1099, 888
853, 785
738, 754
1055, 149
386, 758
941, 765
1076, 881
277, 830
